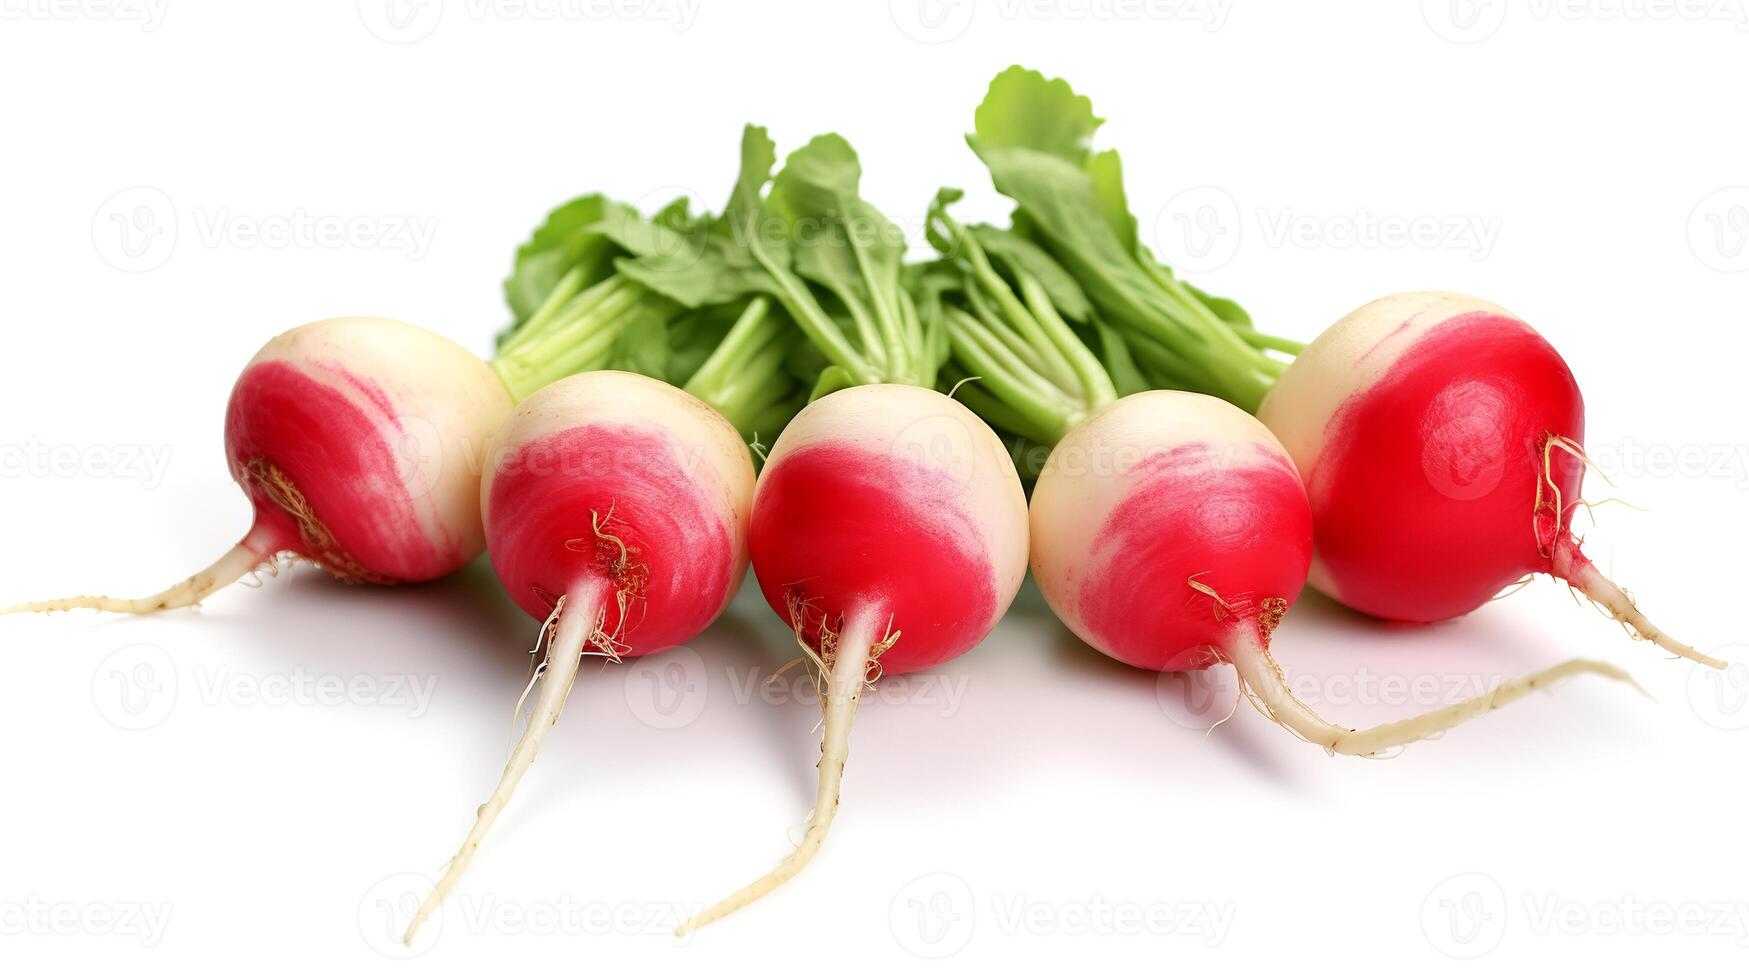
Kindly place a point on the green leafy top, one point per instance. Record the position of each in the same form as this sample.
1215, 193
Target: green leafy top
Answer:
812, 243
584, 237
1025, 109
841, 243
1034, 135
1007, 305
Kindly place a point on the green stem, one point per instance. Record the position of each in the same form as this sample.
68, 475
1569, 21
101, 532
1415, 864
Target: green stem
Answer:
1164, 367
1055, 366
766, 384
1050, 360
573, 336
744, 376
1247, 372
918, 340
819, 327
562, 292
1095, 382
554, 324
1267, 341
964, 328
1226, 366
753, 329
992, 409
898, 354
1019, 387
986, 313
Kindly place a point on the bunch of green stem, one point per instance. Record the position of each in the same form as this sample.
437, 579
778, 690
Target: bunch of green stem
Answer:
1179, 342
575, 329
746, 375
1034, 376
885, 341
1189, 346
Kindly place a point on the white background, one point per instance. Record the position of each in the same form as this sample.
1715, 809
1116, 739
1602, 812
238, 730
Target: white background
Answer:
1589, 161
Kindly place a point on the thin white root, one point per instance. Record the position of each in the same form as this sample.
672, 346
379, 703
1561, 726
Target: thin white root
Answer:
844, 685
232, 566
578, 623
1599, 589
1263, 679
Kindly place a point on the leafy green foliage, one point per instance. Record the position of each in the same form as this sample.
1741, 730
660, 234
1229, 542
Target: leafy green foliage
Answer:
1034, 135
799, 286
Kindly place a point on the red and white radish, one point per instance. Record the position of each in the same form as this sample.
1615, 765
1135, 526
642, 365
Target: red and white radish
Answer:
360, 442
616, 511
1171, 532
889, 531
1440, 439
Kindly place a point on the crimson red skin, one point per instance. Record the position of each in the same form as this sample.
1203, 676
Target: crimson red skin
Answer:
1245, 532
337, 457
847, 530
1424, 492
540, 533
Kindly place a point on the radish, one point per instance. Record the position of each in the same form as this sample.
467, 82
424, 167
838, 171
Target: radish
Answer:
1439, 436
889, 531
359, 442
1171, 532
1441, 442
616, 511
